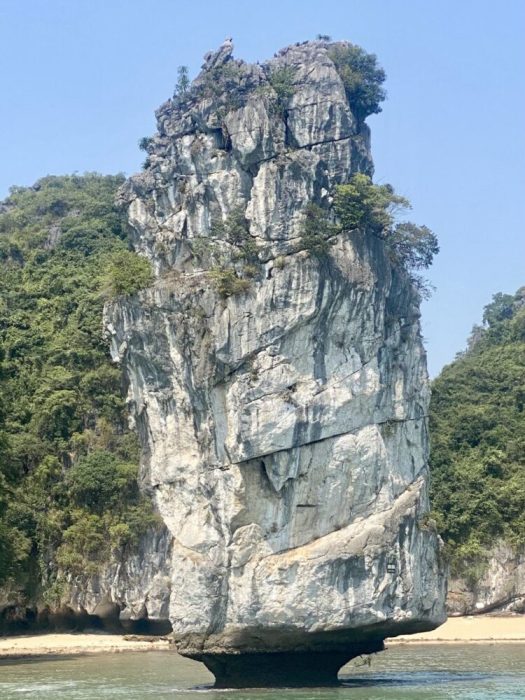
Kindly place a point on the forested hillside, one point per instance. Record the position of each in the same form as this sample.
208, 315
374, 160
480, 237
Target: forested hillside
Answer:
68, 463
477, 427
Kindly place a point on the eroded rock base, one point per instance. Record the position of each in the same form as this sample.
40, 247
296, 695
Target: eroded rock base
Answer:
283, 669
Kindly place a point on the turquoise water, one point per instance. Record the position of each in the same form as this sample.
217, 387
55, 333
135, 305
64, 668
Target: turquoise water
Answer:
422, 672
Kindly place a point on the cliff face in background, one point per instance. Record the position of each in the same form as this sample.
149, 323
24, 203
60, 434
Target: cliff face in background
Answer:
477, 422
280, 397
496, 582
74, 526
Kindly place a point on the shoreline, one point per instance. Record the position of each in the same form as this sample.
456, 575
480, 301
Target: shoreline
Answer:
479, 629
471, 629
51, 644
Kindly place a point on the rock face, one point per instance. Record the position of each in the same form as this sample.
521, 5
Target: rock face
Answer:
497, 585
280, 397
133, 592
130, 593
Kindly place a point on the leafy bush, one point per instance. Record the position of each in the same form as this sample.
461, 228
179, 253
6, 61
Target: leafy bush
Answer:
127, 273
99, 480
502, 308
145, 143
85, 545
14, 550
363, 205
205, 249
235, 230
250, 270
361, 76
282, 81
227, 283
316, 230
414, 246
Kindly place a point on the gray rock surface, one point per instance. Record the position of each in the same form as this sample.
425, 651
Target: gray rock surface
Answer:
132, 588
283, 426
131, 591
497, 583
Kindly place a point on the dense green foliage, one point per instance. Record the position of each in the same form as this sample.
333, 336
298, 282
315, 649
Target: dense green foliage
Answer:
374, 208
317, 230
282, 81
68, 463
362, 77
14, 546
362, 205
127, 273
477, 423
227, 282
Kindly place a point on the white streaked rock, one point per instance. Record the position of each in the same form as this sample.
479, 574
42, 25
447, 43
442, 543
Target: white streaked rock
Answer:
284, 428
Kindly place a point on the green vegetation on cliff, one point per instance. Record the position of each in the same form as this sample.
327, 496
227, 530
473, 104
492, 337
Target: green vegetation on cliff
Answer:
477, 423
362, 205
362, 77
68, 463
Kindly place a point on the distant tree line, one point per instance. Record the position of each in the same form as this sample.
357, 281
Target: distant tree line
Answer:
477, 425
68, 463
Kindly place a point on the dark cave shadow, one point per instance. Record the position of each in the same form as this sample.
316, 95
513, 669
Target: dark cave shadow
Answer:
410, 680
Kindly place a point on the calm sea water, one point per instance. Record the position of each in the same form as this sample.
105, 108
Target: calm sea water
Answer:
423, 672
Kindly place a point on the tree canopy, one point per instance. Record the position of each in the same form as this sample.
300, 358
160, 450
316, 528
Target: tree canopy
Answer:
477, 423
365, 206
63, 244
362, 77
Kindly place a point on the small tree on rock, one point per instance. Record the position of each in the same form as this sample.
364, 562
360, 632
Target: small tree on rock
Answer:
362, 205
362, 77
183, 81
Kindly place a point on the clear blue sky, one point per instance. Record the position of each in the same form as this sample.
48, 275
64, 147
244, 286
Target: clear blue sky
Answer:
81, 78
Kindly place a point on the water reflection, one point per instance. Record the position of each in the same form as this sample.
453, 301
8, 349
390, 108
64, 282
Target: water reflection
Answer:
422, 678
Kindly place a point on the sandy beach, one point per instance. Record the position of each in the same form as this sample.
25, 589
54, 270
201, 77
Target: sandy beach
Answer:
476, 629
472, 629
73, 643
